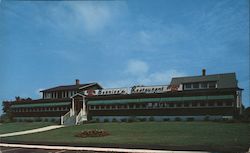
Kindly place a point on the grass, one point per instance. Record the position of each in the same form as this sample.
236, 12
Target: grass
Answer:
21, 126
151, 133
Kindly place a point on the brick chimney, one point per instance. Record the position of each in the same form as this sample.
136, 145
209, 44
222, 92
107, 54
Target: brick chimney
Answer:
77, 82
203, 72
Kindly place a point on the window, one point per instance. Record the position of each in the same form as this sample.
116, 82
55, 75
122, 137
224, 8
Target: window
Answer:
202, 104
204, 85
194, 104
212, 84
188, 86
186, 104
149, 104
137, 105
211, 104
171, 105
228, 103
219, 103
179, 105
195, 85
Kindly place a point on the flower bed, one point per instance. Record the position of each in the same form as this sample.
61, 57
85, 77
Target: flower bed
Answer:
92, 133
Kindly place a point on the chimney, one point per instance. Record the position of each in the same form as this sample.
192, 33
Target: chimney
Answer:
77, 82
203, 72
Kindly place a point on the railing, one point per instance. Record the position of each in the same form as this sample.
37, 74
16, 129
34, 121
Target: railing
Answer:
66, 116
81, 116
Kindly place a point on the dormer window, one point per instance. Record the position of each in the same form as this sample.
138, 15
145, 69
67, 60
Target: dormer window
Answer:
188, 86
196, 85
204, 85
212, 85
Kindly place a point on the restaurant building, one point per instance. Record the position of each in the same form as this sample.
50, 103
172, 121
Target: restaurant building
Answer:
201, 97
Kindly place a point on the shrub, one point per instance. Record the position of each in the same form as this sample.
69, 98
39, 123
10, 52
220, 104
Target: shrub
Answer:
132, 119
38, 119
151, 118
46, 120
106, 120
124, 120
190, 119
92, 121
53, 120
166, 119
177, 119
142, 119
97, 120
114, 120
207, 118
28, 120
20, 120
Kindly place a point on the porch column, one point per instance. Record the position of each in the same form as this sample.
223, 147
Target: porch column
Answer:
83, 105
73, 107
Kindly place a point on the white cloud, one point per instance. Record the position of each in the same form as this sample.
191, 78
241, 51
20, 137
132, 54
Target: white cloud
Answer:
139, 73
163, 77
92, 16
137, 68
38, 92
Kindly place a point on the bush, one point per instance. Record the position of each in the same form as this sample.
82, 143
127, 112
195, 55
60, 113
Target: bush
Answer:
207, 118
46, 120
92, 121
177, 119
124, 120
190, 119
20, 120
97, 120
28, 120
166, 119
132, 119
106, 120
53, 120
38, 119
151, 118
114, 120
142, 119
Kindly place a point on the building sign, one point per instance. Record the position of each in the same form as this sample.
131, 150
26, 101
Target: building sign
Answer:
108, 91
148, 89
134, 90
174, 88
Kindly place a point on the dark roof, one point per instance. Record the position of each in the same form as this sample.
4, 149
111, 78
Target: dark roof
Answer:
41, 101
226, 80
70, 87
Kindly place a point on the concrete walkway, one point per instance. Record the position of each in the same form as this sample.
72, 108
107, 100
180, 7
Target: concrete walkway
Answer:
94, 149
47, 128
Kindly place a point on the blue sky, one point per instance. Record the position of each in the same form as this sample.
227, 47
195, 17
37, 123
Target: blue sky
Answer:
119, 43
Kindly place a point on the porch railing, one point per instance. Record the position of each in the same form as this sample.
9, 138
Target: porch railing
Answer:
81, 116
66, 116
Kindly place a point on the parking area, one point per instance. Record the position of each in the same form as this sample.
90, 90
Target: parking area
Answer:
25, 150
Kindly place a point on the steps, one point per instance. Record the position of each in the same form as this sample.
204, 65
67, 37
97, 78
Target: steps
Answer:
70, 121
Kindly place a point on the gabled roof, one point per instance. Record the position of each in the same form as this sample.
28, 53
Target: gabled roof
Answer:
71, 87
225, 80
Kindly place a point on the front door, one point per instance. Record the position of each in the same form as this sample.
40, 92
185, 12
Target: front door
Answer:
78, 104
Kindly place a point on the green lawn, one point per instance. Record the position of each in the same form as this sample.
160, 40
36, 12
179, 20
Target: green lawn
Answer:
151, 133
18, 126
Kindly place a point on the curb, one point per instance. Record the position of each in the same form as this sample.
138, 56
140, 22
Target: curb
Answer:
94, 149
